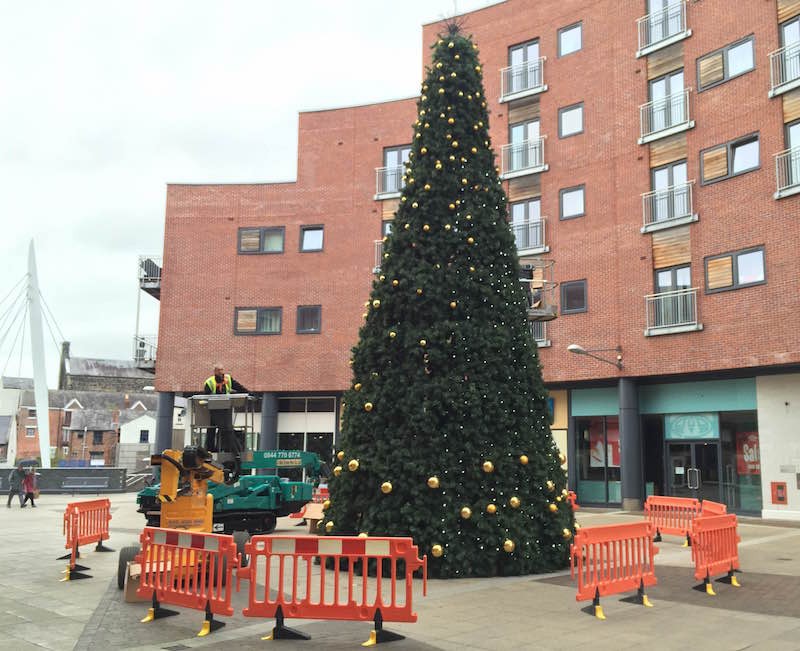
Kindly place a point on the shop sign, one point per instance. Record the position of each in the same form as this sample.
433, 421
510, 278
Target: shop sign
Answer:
681, 427
748, 457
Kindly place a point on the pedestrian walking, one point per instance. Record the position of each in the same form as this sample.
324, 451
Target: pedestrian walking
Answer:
15, 484
29, 488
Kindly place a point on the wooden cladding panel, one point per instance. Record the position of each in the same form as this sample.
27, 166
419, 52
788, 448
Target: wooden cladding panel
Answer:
719, 272
250, 240
246, 320
523, 110
788, 9
389, 208
715, 163
525, 187
711, 69
671, 247
664, 61
668, 150
791, 106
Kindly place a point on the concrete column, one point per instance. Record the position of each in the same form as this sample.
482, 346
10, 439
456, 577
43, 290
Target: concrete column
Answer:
630, 439
166, 407
572, 448
268, 439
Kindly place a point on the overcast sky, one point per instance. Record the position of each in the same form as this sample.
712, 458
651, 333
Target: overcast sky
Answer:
104, 102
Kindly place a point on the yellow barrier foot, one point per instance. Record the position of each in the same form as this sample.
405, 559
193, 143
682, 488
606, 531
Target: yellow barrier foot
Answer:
151, 615
646, 601
157, 612
710, 589
598, 612
281, 632
210, 624
735, 582
378, 634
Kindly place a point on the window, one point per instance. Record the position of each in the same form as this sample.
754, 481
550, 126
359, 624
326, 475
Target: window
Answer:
524, 72
97, 438
391, 178
570, 120
526, 223
396, 156
386, 227
65, 451
258, 320
261, 240
31, 412
67, 418
735, 270
726, 63
311, 238
309, 319
526, 147
30, 432
570, 39
144, 436
731, 159
671, 198
571, 201
573, 297
667, 102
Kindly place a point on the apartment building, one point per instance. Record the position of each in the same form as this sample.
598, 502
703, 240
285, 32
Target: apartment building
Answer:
651, 157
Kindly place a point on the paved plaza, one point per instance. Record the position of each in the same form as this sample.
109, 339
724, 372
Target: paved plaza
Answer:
37, 611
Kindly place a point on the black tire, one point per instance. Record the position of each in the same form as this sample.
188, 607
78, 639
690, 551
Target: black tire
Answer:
240, 538
270, 522
126, 554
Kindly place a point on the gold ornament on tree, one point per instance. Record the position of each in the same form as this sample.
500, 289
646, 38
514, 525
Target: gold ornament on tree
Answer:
357, 386
437, 551
367, 406
514, 502
553, 507
488, 466
326, 505
337, 471
352, 466
566, 533
386, 487
433, 482
329, 526
491, 509
466, 513
550, 485
523, 459
509, 546
562, 458
363, 534
376, 303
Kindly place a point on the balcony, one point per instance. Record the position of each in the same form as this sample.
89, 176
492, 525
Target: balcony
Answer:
144, 350
540, 290
522, 158
665, 116
529, 237
662, 28
787, 171
378, 256
539, 332
522, 80
671, 312
389, 181
150, 267
667, 208
784, 69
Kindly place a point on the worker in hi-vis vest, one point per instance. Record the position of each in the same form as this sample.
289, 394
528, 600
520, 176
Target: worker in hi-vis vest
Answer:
221, 419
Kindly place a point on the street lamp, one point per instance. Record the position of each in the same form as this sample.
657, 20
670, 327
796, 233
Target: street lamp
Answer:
580, 350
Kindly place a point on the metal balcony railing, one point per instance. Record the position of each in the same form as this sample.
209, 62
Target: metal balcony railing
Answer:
526, 77
662, 25
787, 171
670, 204
529, 234
664, 116
378, 256
389, 180
144, 348
784, 68
539, 332
674, 309
149, 269
524, 157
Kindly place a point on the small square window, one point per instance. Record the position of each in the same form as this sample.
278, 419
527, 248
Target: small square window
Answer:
572, 202
31, 412
30, 432
386, 227
257, 321
740, 58
97, 438
570, 39
570, 120
573, 297
750, 268
309, 319
144, 436
311, 238
745, 156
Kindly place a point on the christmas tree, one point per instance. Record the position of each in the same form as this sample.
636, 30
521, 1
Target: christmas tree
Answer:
445, 433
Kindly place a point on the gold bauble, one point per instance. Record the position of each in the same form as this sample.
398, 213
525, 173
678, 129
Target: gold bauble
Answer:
451, 157
472, 270
452, 206
433, 482
455, 144
410, 180
565, 492
381, 277
319, 524
329, 526
558, 498
457, 57
439, 64
415, 205
562, 458
438, 165
326, 505
407, 226
340, 455
488, 466
423, 343
469, 218
364, 315
337, 471
553, 507
437, 551
441, 91
474, 150
566, 533
376, 303
464, 181
477, 68
395, 282
451, 44
523, 459
447, 227
427, 186
419, 291
509, 546
514, 502
352, 466
426, 228
453, 74
450, 121
424, 98
363, 534
550, 485
470, 240
367, 406
491, 509
466, 513
386, 487
577, 527
392, 334
453, 305
424, 150
441, 77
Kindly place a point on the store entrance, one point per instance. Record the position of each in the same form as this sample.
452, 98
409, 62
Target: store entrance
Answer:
693, 469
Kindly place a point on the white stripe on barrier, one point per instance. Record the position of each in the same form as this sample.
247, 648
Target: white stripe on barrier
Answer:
377, 548
329, 547
211, 543
184, 540
160, 537
282, 546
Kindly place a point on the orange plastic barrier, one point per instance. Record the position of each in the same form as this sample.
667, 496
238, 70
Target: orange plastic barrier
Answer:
84, 523
318, 497
673, 515
715, 549
713, 508
612, 559
188, 569
572, 498
286, 566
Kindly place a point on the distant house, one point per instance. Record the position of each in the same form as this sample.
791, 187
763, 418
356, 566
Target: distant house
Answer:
10, 390
136, 440
93, 374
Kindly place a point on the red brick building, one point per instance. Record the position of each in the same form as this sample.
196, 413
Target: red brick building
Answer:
651, 153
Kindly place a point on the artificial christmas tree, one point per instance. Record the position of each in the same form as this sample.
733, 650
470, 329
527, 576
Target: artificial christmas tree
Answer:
445, 432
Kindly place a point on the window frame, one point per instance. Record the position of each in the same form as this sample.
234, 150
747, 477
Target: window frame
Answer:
561, 194
563, 110
258, 310
735, 269
524, 47
30, 431
566, 28
297, 320
311, 227
742, 140
725, 73
585, 307
95, 437
144, 434
673, 270
262, 231
386, 227
396, 148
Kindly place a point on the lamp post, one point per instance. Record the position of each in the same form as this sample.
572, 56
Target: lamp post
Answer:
580, 350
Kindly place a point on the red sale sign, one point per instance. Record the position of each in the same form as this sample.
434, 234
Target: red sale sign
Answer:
748, 458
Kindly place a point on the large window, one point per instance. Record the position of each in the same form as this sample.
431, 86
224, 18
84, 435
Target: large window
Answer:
572, 202
309, 319
524, 67
598, 459
311, 238
261, 240
570, 39
668, 107
671, 198
570, 120
526, 223
573, 297
730, 159
735, 270
97, 438
391, 176
726, 63
741, 461
258, 320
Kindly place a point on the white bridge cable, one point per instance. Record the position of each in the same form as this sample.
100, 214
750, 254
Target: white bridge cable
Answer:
21, 296
52, 316
16, 285
9, 322
21, 346
16, 337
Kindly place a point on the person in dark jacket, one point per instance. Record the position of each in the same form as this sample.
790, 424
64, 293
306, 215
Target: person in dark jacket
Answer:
15, 484
220, 435
28, 487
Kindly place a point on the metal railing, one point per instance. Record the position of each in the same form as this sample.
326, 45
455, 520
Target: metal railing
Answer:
144, 348
784, 65
670, 203
539, 331
389, 180
661, 25
664, 113
787, 169
529, 234
524, 155
671, 309
522, 77
150, 268
378, 256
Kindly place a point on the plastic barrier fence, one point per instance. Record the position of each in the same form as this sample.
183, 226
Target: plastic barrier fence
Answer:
715, 549
339, 587
713, 508
672, 515
572, 498
188, 569
318, 497
84, 523
612, 559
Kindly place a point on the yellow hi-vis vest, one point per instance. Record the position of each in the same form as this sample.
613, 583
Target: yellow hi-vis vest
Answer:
211, 383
